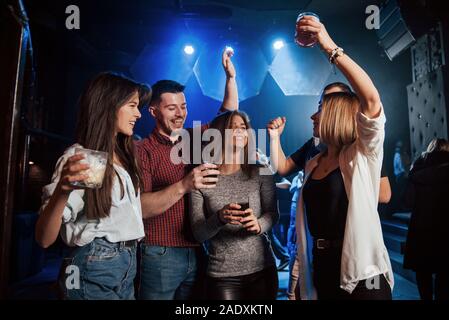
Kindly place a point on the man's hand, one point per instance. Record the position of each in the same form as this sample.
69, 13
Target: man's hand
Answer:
228, 66
276, 127
197, 178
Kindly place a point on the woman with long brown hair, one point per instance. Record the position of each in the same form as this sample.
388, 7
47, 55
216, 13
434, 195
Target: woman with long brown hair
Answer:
234, 217
104, 224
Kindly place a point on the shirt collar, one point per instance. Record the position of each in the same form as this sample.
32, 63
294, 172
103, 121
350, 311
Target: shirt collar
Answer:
162, 139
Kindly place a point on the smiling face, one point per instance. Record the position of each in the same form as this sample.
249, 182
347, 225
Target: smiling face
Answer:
316, 116
127, 115
239, 133
170, 113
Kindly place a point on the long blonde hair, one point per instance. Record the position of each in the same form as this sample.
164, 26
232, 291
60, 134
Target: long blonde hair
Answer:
337, 120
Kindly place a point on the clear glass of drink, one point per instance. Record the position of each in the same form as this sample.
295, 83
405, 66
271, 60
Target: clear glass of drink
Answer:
97, 161
303, 38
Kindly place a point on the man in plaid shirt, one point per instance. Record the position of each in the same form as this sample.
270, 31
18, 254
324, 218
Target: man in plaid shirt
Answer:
169, 263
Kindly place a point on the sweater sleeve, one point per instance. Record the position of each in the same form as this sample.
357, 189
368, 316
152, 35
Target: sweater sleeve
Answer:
203, 227
269, 214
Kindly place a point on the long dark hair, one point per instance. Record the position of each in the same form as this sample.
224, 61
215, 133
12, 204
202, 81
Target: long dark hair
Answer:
96, 129
223, 122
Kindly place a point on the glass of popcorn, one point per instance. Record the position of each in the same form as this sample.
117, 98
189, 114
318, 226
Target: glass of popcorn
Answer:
97, 161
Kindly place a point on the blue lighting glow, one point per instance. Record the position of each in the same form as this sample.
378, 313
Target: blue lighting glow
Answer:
229, 50
189, 49
278, 44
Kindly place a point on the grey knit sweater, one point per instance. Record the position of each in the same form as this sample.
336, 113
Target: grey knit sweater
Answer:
233, 251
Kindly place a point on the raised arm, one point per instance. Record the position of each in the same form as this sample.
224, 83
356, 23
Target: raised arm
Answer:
231, 97
280, 163
357, 77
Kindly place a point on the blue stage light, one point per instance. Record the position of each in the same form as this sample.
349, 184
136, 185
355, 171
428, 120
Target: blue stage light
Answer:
189, 49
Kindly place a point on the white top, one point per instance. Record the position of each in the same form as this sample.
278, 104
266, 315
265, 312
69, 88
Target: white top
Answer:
123, 223
364, 254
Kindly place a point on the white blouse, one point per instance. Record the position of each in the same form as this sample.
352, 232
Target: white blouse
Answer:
364, 253
125, 217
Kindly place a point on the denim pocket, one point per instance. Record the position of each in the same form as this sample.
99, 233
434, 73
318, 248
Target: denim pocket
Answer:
102, 250
154, 250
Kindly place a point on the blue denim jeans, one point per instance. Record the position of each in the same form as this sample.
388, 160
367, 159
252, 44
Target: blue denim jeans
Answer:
105, 271
168, 273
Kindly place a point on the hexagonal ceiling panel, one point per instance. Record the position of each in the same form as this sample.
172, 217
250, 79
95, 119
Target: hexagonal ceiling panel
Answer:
249, 62
300, 71
158, 62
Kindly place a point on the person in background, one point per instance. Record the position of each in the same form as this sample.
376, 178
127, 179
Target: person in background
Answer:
280, 252
426, 249
295, 189
401, 164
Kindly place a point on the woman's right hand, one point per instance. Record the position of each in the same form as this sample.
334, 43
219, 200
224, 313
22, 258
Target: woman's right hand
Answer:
231, 214
72, 171
317, 29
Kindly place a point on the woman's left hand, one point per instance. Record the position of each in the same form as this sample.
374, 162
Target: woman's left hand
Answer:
310, 25
250, 222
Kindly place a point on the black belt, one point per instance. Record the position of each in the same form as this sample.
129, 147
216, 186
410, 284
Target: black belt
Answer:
322, 244
128, 244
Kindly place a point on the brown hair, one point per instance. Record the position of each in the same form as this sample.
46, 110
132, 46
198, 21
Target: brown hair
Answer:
223, 122
96, 129
337, 123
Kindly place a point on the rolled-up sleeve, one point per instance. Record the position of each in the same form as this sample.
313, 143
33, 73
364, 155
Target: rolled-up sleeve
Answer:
75, 202
371, 133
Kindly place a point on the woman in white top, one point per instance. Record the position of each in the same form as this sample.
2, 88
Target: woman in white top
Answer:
338, 201
102, 225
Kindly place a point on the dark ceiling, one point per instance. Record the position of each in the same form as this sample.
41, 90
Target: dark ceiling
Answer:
128, 26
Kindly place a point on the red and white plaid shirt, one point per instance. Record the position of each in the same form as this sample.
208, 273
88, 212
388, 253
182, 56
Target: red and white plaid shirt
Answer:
171, 228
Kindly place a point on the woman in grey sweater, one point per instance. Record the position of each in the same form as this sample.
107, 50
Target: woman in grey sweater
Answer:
234, 216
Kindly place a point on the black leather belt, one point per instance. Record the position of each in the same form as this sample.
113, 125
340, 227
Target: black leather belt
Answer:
322, 244
128, 244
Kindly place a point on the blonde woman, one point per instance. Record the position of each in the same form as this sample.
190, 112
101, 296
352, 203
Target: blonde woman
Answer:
338, 201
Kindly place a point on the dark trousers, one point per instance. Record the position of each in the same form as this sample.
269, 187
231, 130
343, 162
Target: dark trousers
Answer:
326, 278
427, 288
262, 285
